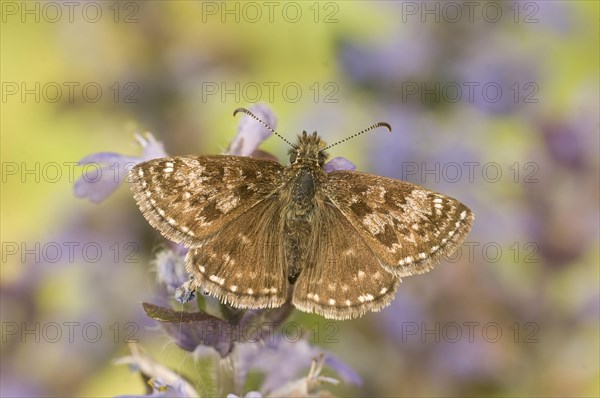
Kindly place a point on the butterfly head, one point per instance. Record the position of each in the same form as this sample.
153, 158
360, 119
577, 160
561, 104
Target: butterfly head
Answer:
308, 152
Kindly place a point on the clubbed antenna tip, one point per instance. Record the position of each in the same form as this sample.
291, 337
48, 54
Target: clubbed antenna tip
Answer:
253, 116
376, 125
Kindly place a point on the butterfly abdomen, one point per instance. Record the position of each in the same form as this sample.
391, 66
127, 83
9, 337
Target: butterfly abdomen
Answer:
299, 214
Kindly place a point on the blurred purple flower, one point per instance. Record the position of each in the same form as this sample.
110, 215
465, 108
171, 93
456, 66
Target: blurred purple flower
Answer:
557, 16
496, 77
470, 360
170, 267
338, 163
344, 371
406, 52
251, 394
163, 381
309, 386
112, 168
566, 144
565, 227
296, 356
250, 133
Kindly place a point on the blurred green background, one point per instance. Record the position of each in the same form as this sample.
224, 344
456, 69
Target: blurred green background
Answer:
495, 104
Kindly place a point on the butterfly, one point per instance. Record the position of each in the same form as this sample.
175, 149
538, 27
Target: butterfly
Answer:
258, 232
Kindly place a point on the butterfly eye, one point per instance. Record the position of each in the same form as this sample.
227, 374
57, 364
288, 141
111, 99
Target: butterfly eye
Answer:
293, 157
322, 158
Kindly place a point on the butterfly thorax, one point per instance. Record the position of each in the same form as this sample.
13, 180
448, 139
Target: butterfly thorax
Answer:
303, 180
304, 176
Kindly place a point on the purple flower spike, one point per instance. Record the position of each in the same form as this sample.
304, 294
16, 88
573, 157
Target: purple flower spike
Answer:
110, 169
251, 133
339, 163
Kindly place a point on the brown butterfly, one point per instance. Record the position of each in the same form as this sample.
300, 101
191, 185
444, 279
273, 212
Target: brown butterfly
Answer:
256, 229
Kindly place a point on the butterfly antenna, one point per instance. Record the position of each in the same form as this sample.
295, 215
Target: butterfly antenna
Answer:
247, 112
380, 124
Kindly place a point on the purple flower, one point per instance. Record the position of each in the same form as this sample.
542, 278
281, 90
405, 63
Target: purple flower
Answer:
566, 144
251, 394
406, 52
555, 16
338, 163
497, 77
170, 268
97, 183
250, 133
296, 355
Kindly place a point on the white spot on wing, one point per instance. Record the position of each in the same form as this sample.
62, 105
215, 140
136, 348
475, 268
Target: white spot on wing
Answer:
217, 279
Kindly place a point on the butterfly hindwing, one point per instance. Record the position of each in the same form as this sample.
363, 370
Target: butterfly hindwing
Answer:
189, 198
243, 263
342, 279
407, 227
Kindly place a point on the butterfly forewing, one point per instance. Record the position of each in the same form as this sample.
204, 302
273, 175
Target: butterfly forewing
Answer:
343, 279
190, 198
407, 227
242, 264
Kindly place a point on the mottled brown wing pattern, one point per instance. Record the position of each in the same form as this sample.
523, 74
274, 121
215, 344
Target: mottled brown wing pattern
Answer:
407, 227
190, 198
243, 263
342, 279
